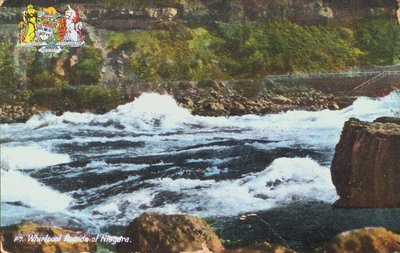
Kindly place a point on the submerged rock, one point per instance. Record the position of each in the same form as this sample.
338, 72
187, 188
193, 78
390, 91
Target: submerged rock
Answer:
371, 240
36, 238
366, 165
159, 233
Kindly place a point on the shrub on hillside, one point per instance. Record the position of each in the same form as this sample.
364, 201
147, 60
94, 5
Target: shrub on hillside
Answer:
98, 99
8, 77
88, 70
380, 39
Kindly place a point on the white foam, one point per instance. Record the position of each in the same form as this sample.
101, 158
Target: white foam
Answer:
49, 119
294, 178
299, 179
30, 157
16, 187
110, 208
149, 111
211, 171
161, 112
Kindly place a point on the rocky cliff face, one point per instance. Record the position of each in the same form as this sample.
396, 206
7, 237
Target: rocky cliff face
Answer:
142, 16
366, 165
303, 11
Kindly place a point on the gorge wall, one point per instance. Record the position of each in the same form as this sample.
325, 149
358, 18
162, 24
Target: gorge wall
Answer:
303, 11
208, 11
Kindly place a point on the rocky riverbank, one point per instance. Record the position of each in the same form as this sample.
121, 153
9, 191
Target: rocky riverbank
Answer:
158, 233
205, 98
231, 98
209, 98
17, 113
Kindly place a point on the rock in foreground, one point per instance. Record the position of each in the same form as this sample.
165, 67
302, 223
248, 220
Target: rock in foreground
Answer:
158, 233
262, 248
15, 239
371, 240
366, 165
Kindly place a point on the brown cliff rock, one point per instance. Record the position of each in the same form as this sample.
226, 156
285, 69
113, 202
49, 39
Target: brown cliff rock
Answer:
159, 233
371, 240
366, 165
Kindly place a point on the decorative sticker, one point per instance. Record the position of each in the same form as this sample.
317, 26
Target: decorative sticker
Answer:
48, 31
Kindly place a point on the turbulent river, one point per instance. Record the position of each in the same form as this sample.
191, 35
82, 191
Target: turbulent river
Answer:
101, 171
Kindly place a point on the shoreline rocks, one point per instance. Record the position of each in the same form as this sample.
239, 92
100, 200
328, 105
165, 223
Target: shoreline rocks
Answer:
366, 165
210, 99
159, 233
16, 113
236, 98
15, 239
371, 240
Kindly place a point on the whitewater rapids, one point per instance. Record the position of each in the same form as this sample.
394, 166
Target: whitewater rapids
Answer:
153, 155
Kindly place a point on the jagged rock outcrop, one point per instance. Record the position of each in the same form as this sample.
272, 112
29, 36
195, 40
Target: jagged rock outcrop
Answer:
366, 165
371, 240
15, 239
159, 233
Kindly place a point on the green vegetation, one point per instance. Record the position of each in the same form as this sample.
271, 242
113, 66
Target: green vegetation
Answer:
380, 39
40, 72
281, 46
185, 54
99, 99
249, 49
243, 50
8, 77
87, 70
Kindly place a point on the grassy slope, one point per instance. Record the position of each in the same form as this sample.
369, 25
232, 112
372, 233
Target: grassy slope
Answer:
249, 50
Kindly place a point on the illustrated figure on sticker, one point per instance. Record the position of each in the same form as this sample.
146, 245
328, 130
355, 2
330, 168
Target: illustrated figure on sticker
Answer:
73, 25
28, 26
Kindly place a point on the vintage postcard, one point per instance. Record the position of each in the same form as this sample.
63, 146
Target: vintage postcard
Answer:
172, 126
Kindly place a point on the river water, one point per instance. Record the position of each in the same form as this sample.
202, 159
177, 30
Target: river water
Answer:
101, 171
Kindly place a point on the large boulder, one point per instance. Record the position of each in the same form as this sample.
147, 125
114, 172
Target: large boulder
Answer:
366, 165
159, 233
371, 240
43, 239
